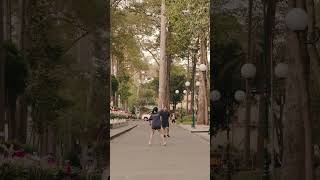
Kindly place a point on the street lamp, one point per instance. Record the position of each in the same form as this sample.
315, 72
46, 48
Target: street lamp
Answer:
281, 70
297, 19
202, 67
195, 50
215, 95
187, 84
240, 95
228, 102
248, 71
197, 95
177, 92
184, 91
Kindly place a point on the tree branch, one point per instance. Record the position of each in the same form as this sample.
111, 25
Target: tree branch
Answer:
153, 55
74, 42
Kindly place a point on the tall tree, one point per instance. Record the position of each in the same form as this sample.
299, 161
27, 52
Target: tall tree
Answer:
163, 72
2, 72
297, 117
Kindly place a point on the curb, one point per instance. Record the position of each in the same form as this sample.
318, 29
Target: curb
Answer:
195, 133
203, 131
122, 132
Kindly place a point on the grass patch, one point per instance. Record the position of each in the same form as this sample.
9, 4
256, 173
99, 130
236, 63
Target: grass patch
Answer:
187, 120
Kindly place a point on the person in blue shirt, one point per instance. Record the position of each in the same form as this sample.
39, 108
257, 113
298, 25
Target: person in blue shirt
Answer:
165, 115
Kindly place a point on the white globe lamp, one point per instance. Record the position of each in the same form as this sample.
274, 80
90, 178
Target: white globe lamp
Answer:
215, 95
202, 67
177, 91
240, 95
197, 83
281, 70
297, 19
184, 91
248, 71
187, 83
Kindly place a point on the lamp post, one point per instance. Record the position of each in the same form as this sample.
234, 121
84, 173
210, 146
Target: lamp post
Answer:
203, 68
177, 93
228, 103
197, 95
176, 102
187, 84
300, 25
248, 71
281, 72
193, 86
184, 92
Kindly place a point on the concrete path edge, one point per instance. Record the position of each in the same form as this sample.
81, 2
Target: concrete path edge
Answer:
122, 132
195, 133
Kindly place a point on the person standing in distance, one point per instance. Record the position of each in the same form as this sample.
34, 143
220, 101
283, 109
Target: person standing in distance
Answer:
165, 115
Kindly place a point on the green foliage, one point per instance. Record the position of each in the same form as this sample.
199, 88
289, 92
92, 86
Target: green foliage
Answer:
17, 146
114, 84
73, 157
228, 58
154, 85
117, 116
13, 172
186, 27
146, 97
177, 82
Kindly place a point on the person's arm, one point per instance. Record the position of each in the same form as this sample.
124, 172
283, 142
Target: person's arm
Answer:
150, 120
160, 117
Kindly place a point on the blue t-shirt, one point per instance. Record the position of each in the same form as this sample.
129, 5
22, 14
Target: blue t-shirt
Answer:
165, 116
155, 120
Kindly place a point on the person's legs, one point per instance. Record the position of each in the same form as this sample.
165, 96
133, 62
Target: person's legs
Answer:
162, 132
167, 131
151, 135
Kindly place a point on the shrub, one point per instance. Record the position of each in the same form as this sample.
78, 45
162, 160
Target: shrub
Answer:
16, 146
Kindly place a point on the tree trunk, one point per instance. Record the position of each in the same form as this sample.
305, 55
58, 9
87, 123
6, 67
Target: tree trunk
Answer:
296, 108
203, 88
248, 108
163, 61
315, 71
169, 61
247, 129
103, 138
259, 160
2, 72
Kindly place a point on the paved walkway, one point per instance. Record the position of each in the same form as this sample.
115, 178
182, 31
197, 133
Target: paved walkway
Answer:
186, 156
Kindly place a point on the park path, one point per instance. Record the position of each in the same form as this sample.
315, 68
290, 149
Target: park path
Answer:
186, 156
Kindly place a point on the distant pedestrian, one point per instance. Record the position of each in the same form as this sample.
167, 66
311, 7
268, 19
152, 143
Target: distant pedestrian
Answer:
173, 118
156, 125
165, 115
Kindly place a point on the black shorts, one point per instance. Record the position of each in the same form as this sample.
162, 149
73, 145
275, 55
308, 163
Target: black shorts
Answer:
165, 124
